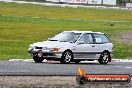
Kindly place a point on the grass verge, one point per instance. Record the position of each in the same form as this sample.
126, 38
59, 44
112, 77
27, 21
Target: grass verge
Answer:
22, 24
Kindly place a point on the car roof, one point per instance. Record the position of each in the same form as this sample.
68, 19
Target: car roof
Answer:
76, 31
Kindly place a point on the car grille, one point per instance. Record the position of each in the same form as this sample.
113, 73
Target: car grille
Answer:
38, 47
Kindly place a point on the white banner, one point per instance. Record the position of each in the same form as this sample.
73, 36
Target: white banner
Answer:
67, 1
109, 2
129, 5
53, 0
80, 1
94, 1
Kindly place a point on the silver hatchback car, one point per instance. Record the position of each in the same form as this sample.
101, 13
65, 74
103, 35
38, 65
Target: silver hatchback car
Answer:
73, 46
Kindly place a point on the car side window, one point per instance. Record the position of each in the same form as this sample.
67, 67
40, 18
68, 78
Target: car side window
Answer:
101, 38
86, 38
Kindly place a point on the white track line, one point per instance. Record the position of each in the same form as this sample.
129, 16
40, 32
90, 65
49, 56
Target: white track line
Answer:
122, 60
31, 60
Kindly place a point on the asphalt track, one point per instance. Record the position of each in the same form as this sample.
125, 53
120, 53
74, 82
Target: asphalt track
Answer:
51, 68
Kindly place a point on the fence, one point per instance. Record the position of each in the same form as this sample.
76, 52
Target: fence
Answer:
87, 2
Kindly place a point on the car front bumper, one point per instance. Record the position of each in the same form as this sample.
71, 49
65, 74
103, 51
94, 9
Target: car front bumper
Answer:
47, 54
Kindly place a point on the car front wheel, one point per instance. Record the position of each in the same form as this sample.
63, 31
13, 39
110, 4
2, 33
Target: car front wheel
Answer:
104, 57
67, 56
38, 59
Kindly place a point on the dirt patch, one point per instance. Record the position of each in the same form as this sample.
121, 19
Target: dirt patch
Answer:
51, 82
125, 38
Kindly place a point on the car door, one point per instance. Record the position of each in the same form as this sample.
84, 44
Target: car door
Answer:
85, 47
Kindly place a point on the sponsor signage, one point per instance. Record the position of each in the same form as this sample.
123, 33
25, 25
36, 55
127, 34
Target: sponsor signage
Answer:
94, 1
109, 2
52, 0
129, 5
67, 1
101, 78
80, 1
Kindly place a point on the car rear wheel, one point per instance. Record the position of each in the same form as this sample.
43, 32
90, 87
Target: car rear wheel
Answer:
38, 59
104, 57
67, 56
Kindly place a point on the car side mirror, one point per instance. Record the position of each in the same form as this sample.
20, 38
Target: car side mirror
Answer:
80, 42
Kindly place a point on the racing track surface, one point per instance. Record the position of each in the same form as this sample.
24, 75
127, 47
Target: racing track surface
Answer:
56, 68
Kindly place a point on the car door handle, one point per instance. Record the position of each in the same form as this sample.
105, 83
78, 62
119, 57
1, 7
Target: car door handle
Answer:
93, 45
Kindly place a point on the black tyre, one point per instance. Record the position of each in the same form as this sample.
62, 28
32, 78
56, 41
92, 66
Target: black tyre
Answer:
67, 56
104, 57
38, 59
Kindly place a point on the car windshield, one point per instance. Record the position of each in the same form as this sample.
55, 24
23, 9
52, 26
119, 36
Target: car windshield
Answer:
66, 37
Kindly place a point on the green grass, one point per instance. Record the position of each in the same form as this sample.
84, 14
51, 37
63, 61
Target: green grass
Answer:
23, 24
63, 13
